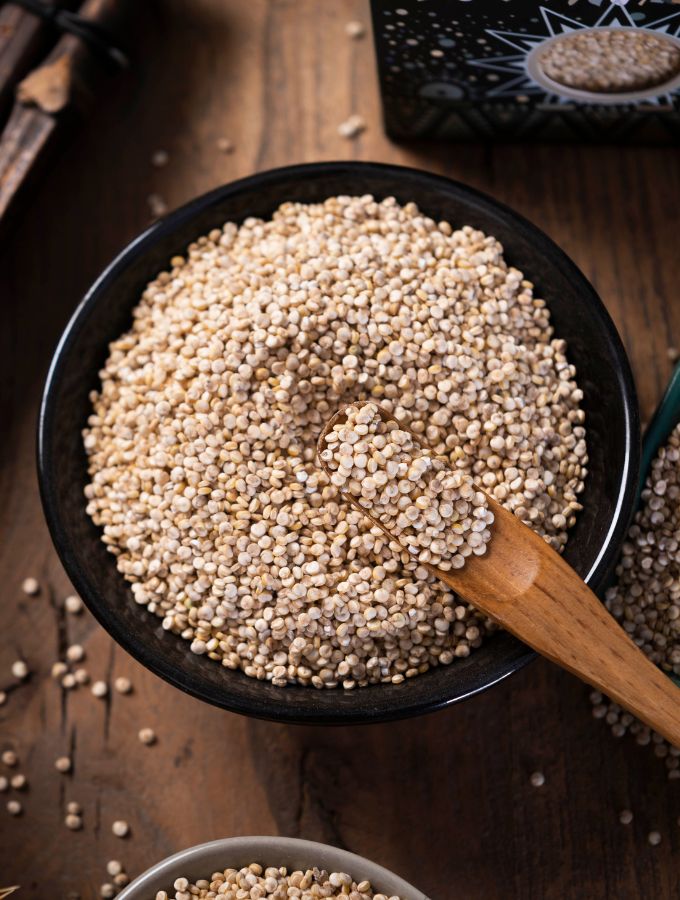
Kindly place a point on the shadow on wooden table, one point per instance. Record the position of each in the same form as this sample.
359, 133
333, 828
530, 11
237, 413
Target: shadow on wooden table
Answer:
447, 798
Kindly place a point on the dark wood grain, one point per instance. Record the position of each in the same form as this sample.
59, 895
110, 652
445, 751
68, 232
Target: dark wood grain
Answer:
444, 800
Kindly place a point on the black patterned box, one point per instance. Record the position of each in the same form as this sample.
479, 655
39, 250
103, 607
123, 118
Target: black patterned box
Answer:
516, 69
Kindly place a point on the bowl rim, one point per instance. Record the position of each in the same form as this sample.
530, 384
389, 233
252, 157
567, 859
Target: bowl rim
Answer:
309, 713
262, 846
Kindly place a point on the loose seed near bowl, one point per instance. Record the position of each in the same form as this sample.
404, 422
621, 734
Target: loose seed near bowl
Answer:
157, 205
224, 145
75, 653
30, 586
625, 817
122, 685
121, 879
4, 784
19, 782
673, 354
100, 689
160, 158
654, 838
9, 758
81, 676
537, 779
147, 736
120, 828
20, 670
107, 890
73, 822
73, 604
63, 764
73, 808
68, 682
58, 670
14, 808
3, 698
352, 126
114, 867
355, 29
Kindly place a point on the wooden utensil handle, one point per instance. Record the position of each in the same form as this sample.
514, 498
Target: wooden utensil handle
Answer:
549, 607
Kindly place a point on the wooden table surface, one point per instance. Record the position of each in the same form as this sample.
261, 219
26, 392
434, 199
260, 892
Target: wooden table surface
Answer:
444, 800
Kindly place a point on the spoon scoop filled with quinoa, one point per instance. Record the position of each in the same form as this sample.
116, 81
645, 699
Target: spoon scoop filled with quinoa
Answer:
435, 512
201, 442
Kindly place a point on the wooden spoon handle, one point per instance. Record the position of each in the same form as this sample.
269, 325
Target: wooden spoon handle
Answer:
547, 605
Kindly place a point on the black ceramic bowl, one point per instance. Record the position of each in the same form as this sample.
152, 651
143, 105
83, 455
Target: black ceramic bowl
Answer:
579, 316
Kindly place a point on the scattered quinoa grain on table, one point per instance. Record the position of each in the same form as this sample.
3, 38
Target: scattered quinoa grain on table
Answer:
625, 817
355, 29
68, 682
255, 336
120, 828
433, 510
160, 158
9, 758
157, 205
30, 586
58, 670
645, 599
63, 764
14, 808
73, 604
352, 126
537, 779
4, 784
75, 653
19, 782
73, 822
20, 670
147, 736
100, 689
122, 685
273, 883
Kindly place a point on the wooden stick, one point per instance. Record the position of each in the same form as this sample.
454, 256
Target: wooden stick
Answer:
24, 38
64, 84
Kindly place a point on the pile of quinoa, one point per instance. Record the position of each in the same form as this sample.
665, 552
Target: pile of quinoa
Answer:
434, 511
611, 60
202, 439
273, 884
646, 597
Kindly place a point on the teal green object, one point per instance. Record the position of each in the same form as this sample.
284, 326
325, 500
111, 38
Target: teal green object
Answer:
664, 420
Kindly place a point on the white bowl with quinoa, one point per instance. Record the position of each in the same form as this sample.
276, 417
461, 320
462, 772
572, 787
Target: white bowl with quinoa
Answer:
271, 864
189, 391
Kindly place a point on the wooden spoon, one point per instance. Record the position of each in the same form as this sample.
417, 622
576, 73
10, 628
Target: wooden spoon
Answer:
528, 588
